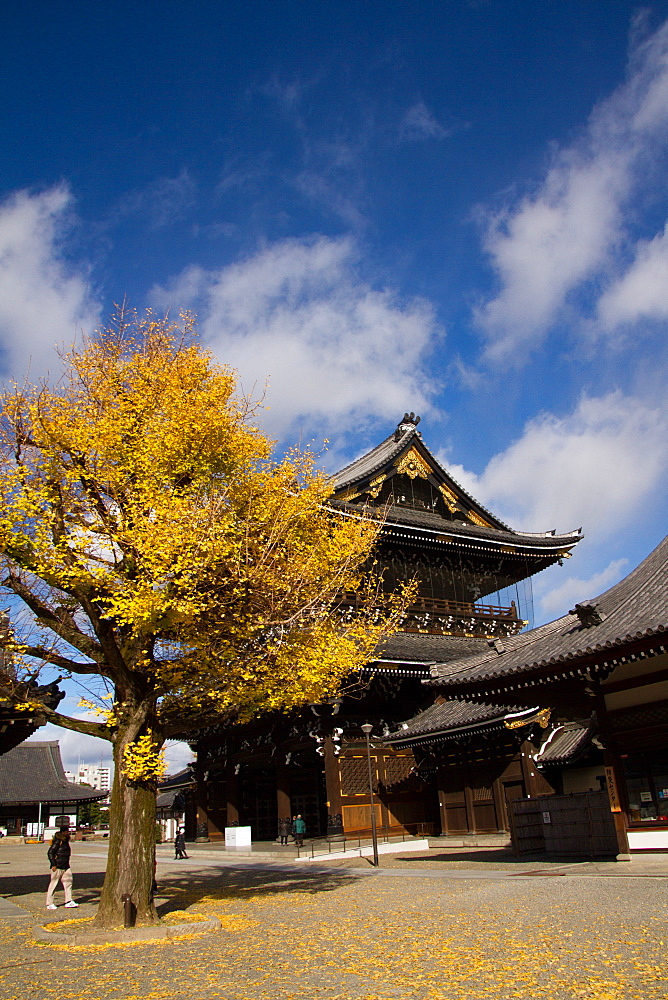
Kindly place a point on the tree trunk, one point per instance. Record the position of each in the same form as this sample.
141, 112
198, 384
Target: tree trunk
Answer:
131, 862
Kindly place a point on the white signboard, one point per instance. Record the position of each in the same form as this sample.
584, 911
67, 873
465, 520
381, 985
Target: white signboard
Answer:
237, 836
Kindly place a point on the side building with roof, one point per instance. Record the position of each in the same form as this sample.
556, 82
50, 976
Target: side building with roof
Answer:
35, 796
471, 571
484, 757
599, 676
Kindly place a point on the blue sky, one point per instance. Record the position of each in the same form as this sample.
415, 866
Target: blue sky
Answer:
458, 209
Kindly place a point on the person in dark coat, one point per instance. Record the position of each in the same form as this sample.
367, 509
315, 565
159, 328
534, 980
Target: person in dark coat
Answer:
59, 859
284, 830
180, 845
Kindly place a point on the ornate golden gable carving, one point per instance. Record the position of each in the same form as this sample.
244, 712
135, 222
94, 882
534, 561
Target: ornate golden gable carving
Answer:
542, 718
477, 519
375, 486
412, 465
348, 495
449, 497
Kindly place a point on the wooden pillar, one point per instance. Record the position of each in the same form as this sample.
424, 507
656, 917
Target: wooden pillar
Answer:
440, 795
201, 803
333, 786
470, 807
232, 796
614, 779
528, 769
502, 822
283, 804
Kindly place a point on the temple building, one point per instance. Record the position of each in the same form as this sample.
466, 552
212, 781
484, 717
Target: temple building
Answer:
473, 574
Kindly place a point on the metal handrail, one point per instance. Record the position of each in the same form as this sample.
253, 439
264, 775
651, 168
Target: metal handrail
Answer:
343, 843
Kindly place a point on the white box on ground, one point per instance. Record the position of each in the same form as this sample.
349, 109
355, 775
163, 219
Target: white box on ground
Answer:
237, 836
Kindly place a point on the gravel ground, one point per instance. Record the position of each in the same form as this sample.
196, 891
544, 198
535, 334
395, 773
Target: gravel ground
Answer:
347, 934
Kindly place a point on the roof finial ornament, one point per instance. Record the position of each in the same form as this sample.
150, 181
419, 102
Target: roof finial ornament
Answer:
409, 423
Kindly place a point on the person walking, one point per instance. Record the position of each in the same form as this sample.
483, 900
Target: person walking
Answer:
299, 829
284, 830
59, 858
180, 845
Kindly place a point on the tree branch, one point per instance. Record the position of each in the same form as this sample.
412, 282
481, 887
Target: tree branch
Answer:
77, 725
63, 625
63, 662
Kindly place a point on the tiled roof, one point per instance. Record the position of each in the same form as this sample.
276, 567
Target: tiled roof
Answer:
181, 779
394, 515
372, 461
636, 608
384, 456
419, 647
447, 718
564, 743
387, 451
17, 726
33, 772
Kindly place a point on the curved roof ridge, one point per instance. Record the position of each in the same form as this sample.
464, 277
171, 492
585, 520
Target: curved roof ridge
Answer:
366, 466
651, 568
340, 477
512, 644
466, 492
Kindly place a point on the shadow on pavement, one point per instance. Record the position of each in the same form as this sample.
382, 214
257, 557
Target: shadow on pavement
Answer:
237, 884
504, 856
177, 891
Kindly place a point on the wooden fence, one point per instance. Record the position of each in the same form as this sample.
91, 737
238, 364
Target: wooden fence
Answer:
576, 825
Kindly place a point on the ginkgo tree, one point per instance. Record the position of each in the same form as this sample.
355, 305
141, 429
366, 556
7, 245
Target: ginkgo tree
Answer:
154, 549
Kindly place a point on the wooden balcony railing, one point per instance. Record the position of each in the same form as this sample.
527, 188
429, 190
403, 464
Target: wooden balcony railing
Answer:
452, 609
462, 609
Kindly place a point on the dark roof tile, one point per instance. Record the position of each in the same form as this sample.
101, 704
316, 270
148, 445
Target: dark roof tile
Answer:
33, 772
448, 716
565, 743
419, 647
634, 608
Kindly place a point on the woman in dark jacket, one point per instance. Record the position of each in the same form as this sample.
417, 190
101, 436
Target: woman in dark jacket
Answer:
59, 858
284, 830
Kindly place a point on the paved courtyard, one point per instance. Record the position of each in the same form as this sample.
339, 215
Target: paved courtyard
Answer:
443, 926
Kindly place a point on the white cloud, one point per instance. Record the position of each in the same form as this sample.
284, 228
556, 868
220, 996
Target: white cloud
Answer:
594, 467
334, 349
566, 233
641, 293
75, 747
557, 601
419, 123
43, 301
178, 755
160, 203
